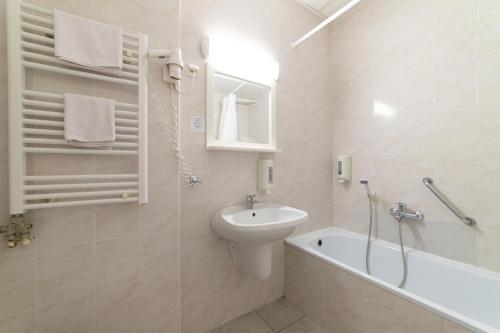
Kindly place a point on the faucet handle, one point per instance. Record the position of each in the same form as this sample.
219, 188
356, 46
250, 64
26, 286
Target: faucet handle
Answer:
194, 181
402, 206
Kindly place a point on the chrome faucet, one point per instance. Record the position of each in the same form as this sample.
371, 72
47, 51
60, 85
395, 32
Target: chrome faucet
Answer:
250, 201
402, 211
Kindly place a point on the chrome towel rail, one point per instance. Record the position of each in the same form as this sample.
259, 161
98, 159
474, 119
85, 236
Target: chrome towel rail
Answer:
454, 209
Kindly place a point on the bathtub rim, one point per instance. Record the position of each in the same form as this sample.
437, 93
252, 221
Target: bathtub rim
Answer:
301, 242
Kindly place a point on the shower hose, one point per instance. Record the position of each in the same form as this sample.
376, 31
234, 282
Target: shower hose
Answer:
403, 256
368, 245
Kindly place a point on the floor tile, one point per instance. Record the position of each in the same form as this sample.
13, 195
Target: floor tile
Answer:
280, 314
304, 325
249, 323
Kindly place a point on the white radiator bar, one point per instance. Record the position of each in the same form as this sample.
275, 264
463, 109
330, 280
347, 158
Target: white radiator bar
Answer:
16, 82
79, 177
77, 185
51, 51
60, 97
50, 32
52, 114
38, 131
36, 118
54, 61
78, 203
53, 123
78, 151
49, 13
66, 195
63, 142
86, 75
46, 40
143, 117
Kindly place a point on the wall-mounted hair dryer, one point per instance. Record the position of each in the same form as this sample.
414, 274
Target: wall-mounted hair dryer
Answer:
172, 70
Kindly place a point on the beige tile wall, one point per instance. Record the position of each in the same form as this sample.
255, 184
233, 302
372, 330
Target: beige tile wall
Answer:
213, 291
116, 268
342, 302
429, 69
110, 268
416, 94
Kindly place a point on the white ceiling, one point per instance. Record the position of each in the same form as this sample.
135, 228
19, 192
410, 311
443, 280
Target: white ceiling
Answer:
324, 7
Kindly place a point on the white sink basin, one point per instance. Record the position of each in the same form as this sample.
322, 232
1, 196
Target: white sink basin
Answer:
264, 223
250, 233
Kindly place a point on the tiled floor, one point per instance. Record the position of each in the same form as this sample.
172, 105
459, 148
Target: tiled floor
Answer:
279, 316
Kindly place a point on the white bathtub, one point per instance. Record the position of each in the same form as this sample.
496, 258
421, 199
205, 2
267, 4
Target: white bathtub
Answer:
462, 293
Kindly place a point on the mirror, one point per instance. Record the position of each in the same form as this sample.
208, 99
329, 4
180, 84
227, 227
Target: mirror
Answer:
240, 113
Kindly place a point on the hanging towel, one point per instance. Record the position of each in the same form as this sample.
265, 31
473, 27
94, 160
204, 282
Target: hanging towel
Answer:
228, 124
89, 121
86, 42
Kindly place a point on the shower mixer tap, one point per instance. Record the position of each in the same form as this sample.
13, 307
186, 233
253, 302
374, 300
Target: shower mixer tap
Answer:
399, 213
402, 211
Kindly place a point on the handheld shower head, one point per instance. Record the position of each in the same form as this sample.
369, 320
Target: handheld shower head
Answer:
370, 194
365, 182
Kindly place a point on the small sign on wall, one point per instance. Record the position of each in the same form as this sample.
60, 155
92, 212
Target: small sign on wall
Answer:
197, 123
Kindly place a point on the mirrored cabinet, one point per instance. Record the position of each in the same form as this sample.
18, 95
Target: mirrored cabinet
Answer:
241, 113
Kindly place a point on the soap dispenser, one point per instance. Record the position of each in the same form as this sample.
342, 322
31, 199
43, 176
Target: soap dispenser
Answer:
265, 176
344, 166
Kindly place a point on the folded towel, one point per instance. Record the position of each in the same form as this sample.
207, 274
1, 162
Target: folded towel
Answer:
86, 42
89, 121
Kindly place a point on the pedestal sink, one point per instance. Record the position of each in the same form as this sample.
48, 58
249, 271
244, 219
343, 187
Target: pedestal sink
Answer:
251, 232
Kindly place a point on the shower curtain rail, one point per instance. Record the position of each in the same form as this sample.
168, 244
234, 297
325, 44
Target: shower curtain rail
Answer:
451, 206
327, 21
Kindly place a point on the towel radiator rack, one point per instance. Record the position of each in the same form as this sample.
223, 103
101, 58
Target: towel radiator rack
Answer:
36, 118
451, 206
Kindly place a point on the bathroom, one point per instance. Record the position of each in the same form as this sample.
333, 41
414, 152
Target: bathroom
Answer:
338, 125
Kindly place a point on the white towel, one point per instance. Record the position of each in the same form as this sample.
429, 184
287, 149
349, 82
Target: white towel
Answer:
86, 42
89, 121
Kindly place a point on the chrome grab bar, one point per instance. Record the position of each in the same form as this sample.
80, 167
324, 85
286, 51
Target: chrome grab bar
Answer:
454, 209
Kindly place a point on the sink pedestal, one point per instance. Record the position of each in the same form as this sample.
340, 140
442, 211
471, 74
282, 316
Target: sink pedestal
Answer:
254, 260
